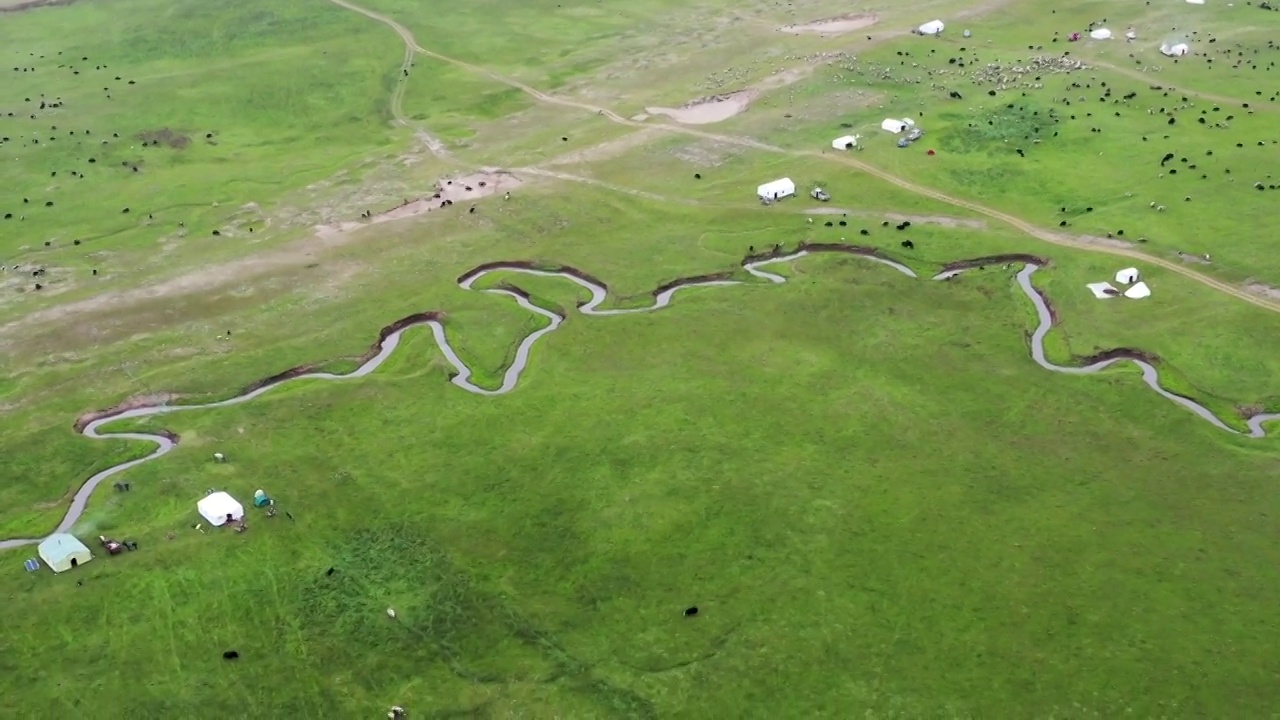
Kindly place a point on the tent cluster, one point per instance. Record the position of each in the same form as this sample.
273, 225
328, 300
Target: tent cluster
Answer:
1128, 276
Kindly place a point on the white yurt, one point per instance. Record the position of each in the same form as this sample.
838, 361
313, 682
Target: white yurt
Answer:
933, 27
1101, 34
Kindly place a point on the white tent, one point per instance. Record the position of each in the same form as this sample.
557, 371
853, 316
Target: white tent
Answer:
893, 126
1175, 50
1102, 290
1101, 34
777, 189
1138, 291
216, 507
1196, 2
844, 142
933, 27
1127, 276
1130, 35
61, 552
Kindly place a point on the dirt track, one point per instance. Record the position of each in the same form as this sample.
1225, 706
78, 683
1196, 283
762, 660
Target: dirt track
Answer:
1048, 236
389, 339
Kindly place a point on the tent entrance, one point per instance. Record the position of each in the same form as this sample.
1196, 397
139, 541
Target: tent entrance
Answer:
74, 562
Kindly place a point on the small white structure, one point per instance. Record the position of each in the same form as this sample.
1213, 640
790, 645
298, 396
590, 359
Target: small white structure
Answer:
1196, 2
933, 27
220, 507
1130, 35
845, 142
1101, 34
1102, 290
62, 552
1175, 50
219, 457
1127, 276
776, 190
1138, 291
895, 126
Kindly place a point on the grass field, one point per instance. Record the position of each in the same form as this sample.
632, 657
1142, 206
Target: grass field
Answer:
878, 503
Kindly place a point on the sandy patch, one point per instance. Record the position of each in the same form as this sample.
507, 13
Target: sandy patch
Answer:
467, 188
707, 110
833, 26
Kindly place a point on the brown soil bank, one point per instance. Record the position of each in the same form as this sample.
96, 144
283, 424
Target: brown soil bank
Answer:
995, 260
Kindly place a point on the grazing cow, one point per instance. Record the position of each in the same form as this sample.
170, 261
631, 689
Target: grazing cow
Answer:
39, 286
908, 245
48, 203
843, 223
217, 232
126, 210
691, 611
230, 655
1062, 224
864, 231
472, 210
328, 572
697, 176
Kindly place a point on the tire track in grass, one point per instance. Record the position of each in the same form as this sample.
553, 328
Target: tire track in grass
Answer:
90, 424
411, 46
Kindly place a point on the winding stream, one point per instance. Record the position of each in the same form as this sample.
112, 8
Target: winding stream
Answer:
599, 294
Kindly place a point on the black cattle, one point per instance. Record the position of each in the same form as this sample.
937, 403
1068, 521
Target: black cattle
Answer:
691, 611
48, 203
230, 655
472, 210
697, 176
828, 223
1062, 224
217, 232
908, 245
843, 223
126, 210
864, 231
330, 571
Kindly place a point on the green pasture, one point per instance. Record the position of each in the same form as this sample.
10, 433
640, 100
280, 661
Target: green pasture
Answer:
835, 493
1099, 157
879, 504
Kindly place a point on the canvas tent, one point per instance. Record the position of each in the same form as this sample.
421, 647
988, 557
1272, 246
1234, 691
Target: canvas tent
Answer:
1196, 2
1138, 291
215, 507
777, 189
1127, 276
844, 142
1101, 34
62, 551
1102, 290
895, 126
933, 27
1175, 50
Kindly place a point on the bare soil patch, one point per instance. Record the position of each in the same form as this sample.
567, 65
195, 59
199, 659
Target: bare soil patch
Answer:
448, 191
833, 26
709, 109
1262, 289
294, 255
175, 140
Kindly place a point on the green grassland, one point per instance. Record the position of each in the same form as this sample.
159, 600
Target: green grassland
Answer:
878, 502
